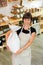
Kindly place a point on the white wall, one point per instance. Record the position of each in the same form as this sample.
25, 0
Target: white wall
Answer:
33, 4
7, 10
42, 3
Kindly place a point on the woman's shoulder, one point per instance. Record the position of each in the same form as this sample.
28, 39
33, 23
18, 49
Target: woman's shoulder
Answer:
33, 29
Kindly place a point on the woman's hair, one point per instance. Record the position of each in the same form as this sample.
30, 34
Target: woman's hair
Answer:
27, 16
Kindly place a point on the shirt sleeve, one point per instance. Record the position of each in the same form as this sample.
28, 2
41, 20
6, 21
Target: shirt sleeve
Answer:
18, 31
33, 30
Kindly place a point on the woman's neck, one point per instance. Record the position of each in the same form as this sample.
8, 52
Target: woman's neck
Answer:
26, 27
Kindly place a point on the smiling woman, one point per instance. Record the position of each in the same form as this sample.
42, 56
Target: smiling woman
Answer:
26, 34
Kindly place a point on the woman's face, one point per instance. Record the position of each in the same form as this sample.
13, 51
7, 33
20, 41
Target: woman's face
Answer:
27, 21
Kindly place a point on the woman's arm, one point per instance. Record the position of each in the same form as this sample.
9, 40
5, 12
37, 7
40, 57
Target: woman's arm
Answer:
7, 35
27, 44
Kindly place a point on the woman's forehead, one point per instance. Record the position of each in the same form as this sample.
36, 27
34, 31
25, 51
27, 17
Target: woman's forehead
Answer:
27, 19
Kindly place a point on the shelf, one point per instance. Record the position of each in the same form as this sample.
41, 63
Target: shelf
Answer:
15, 12
17, 7
36, 14
3, 23
3, 34
11, 20
41, 23
14, 20
41, 30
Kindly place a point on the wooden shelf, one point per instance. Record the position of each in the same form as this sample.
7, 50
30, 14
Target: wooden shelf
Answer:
3, 23
3, 34
11, 20
41, 23
36, 14
15, 20
41, 30
18, 7
16, 12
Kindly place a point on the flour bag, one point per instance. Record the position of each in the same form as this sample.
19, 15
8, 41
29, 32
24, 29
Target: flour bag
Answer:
13, 41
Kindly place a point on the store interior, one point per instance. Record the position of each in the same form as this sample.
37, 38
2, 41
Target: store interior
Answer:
11, 11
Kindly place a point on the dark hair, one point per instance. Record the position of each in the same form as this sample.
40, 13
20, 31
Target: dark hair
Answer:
27, 16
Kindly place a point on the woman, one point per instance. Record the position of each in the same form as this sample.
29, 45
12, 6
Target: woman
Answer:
26, 35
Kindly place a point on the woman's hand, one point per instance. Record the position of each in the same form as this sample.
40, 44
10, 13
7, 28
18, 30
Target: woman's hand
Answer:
19, 51
27, 44
8, 48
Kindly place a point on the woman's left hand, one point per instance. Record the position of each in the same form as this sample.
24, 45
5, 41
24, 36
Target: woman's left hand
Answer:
19, 51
